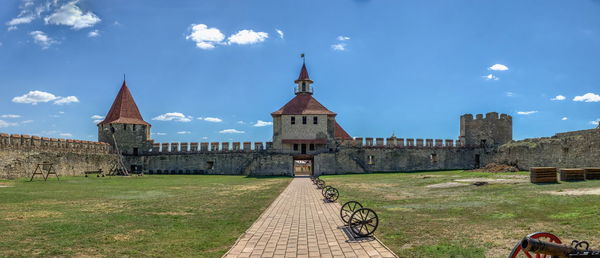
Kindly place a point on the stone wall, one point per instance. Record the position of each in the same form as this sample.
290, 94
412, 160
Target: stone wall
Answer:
564, 150
491, 130
19, 155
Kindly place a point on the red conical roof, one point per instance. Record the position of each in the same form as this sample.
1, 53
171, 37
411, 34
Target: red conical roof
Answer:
124, 110
303, 75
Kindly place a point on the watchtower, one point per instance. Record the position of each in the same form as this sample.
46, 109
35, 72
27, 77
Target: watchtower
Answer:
124, 125
490, 130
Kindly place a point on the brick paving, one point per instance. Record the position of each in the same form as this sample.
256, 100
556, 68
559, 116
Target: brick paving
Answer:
300, 224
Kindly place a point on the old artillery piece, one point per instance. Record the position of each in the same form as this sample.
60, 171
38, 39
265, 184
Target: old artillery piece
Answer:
544, 244
330, 193
362, 221
320, 183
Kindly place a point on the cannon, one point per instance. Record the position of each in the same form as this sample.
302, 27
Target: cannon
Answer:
330, 193
320, 183
362, 221
543, 244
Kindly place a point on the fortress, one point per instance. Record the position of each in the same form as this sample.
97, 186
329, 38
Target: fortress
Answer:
307, 139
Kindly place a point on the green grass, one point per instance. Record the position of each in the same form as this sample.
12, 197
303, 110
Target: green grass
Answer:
131, 216
469, 221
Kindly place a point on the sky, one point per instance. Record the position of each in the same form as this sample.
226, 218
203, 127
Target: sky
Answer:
214, 70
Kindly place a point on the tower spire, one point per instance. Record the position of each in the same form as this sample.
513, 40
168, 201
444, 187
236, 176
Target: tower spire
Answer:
303, 82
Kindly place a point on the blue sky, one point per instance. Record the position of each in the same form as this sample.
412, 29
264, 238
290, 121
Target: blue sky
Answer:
220, 67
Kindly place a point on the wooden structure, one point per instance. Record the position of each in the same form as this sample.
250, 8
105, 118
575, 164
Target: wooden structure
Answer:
45, 169
592, 173
543, 175
572, 174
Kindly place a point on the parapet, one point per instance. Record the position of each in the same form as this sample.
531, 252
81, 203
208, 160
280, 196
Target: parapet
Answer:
29, 143
488, 116
195, 147
397, 143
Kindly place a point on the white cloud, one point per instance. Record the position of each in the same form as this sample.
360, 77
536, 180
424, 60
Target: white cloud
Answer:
66, 100
343, 38
6, 124
26, 121
595, 122
559, 97
65, 135
490, 77
94, 33
588, 97
205, 37
159, 134
97, 117
527, 112
244, 37
173, 116
261, 123
510, 94
204, 138
40, 38
498, 67
339, 47
10, 116
61, 112
280, 32
184, 132
30, 12
71, 15
241, 122
20, 20
231, 131
34, 97
211, 119
564, 118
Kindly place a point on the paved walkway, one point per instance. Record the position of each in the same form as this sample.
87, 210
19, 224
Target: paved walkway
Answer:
300, 224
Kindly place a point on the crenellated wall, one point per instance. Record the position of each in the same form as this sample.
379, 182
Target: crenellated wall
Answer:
203, 147
19, 155
491, 130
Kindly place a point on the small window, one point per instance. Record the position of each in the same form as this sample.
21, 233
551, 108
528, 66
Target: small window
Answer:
112, 129
303, 120
295, 147
210, 164
315, 120
433, 158
311, 147
125, 127
134, 127
370, 159
135, 151
293, 120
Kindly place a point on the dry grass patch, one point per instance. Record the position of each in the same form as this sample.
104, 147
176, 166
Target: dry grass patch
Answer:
575, 192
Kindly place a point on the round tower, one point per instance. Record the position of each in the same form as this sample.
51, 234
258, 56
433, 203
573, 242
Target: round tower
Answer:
124, 128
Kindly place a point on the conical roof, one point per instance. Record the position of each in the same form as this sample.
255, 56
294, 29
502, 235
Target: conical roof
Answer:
124, 110
303, 75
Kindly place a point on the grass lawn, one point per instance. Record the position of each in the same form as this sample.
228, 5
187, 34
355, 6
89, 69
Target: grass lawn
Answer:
131, 216
431, 214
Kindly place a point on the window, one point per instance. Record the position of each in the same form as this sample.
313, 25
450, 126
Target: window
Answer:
210, 164
303, 86
311, 147
125, 127
134, 127
315, 120
303, 120
370, 159
293, 120
135, 151
433, 158
295, 147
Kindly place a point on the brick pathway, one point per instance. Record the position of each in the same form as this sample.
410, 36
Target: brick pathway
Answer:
300, 224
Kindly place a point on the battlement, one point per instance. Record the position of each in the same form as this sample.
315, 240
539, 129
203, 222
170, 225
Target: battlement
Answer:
36, 143
394, 142
203, 147
491, 116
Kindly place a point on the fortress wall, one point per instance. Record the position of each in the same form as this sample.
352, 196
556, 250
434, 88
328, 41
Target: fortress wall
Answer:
564, 150
184, 147
19, 155
357, 160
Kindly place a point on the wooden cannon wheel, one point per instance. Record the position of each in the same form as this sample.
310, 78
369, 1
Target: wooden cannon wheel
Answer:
324, 190
320, 183
347, 209
363, 222
517, 251
331, 194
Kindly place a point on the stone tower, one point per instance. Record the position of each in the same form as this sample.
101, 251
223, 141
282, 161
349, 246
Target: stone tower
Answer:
124, 122
490, 130
303, 125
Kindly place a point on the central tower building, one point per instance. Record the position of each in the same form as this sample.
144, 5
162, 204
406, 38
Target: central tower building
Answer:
305, 126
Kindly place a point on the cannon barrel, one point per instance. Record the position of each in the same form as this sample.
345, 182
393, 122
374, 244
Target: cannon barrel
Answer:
548, 248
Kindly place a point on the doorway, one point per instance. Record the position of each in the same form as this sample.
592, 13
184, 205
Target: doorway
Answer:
303, 166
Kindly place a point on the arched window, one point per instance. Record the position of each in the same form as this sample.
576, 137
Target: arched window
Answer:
303, 86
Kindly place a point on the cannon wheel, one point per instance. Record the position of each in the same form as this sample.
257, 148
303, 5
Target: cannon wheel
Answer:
320, 184
324, 191
548, 237
347, 209
331, 194
363, 222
